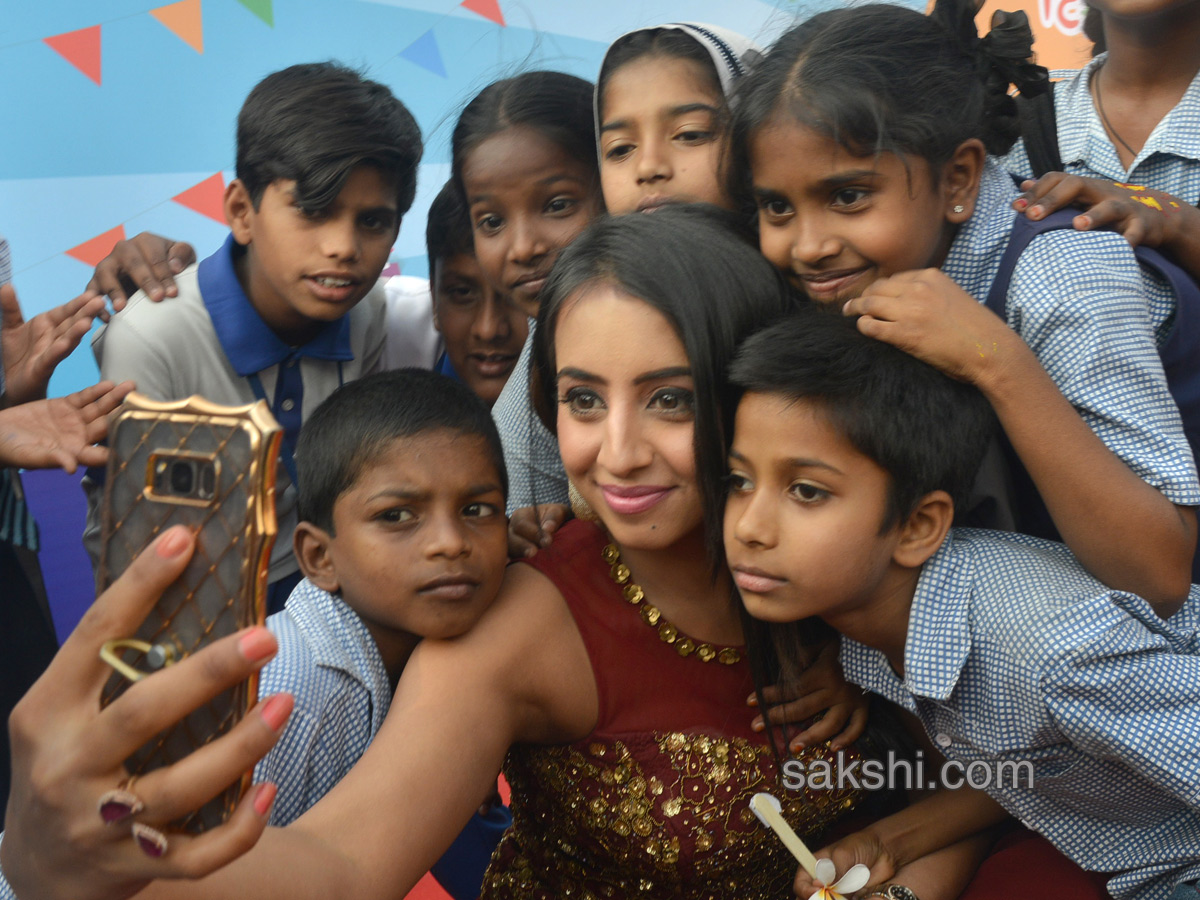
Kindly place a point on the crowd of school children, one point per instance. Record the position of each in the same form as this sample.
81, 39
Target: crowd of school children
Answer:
762, 415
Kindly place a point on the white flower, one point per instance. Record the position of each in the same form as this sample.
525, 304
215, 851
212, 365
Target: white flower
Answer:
855, 879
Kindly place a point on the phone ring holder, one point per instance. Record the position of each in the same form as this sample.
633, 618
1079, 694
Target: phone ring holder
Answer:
157, 656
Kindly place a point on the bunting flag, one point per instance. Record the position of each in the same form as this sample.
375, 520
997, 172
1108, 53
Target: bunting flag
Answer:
489, 9
91, 252
424, 52
184, 21
206, 198
262, 9
80, 48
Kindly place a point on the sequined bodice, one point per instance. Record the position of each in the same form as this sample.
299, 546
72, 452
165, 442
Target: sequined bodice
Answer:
655, 802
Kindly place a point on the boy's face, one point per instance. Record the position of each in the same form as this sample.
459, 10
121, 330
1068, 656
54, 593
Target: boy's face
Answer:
304, 270
483, 330
420, 539
803, 515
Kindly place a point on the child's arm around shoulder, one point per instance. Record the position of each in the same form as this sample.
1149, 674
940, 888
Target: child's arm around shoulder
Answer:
1081, 384
520, 675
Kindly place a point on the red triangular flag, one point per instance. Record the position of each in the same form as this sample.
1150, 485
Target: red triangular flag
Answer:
489, 9
184, 20
206, 198
91, 252
80, 48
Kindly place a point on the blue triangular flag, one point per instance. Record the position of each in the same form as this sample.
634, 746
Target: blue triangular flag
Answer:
424, 52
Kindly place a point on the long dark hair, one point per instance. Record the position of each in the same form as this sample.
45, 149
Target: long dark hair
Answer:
886, 79
702, 271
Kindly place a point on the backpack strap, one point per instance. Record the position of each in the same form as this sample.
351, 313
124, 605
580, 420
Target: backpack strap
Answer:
1023, 231
1039, 128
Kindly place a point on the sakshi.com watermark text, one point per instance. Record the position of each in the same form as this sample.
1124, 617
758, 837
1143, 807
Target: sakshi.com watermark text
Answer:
903, 773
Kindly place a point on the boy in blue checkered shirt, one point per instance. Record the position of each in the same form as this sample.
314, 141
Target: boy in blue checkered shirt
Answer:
847, 459
402, 535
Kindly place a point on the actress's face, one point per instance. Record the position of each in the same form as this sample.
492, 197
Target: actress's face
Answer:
626, 417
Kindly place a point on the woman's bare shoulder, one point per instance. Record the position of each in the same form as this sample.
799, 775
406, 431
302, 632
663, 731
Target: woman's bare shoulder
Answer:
525, 652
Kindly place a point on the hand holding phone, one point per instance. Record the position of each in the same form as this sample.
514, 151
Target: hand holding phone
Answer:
212, 469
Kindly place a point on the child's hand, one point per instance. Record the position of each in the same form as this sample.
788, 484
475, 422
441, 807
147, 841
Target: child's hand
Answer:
860, 847
33, 349
144, 261
1141, 215
531, 528
926, 314
60, 432
821, 688
68, 753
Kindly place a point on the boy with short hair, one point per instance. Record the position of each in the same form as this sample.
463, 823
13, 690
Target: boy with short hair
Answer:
402, 535
482, 330
847, 460
286, 311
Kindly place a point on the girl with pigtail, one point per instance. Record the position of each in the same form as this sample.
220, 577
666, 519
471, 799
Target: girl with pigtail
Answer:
867, 140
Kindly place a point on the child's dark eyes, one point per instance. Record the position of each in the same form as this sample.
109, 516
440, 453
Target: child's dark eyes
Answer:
737, 483
807, 493
488, 224
377, 222
560, 205
459, 294
695, 136
849, 197
618, 152
774, 207
480, 510
396, 515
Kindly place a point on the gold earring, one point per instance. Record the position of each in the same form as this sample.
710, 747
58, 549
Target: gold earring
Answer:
580, 506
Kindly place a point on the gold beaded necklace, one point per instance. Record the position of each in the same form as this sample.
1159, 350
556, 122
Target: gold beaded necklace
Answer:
652, 615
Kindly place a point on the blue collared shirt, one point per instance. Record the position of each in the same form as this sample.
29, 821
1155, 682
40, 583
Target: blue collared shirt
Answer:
247, 340
1169, 161
329, 662
1015, 653
1092, 317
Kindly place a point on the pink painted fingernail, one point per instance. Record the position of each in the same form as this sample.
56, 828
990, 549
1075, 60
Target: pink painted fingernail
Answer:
1036, 211
752, 700
264, 798
174, 542
757, 726
118, 805
797, 746
1020, 203
151, 841
256, 644
276, 711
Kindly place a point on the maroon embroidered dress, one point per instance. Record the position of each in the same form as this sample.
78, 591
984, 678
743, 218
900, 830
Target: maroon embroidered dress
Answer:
655, 801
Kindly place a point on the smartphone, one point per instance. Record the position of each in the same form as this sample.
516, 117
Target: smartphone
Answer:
211, 468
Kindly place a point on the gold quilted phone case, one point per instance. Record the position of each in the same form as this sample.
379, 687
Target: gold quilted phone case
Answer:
211, 468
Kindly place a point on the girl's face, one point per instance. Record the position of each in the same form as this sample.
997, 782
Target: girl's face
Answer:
527, 198
661, 135
835, 222
626, 417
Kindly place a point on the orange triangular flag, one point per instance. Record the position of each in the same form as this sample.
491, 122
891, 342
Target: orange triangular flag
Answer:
91, 252
206, 198
80, 48
489, 9
183, 19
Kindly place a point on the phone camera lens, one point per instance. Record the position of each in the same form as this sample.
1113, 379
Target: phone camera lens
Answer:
183, 478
